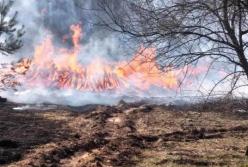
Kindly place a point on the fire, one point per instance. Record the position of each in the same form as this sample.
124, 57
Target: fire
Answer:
59, 68
145, 72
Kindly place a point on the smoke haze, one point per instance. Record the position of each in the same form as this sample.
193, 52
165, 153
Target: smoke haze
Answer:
54, 17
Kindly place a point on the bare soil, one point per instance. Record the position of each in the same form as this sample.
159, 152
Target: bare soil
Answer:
213, 134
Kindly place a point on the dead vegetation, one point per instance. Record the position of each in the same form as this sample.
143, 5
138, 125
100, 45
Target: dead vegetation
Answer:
125, 135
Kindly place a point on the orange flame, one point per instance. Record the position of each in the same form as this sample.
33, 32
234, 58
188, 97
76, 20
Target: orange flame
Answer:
59, 68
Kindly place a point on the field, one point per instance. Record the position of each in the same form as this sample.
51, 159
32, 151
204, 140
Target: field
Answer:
137, 134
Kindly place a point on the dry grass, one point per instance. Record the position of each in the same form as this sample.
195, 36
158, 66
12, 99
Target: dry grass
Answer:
125, 135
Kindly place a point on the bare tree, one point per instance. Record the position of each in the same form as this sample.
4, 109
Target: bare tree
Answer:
10, 31
186, 31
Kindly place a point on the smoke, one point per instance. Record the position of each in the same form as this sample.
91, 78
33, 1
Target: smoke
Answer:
61, 97
54, 17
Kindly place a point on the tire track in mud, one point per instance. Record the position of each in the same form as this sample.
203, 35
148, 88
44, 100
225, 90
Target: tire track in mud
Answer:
109, 144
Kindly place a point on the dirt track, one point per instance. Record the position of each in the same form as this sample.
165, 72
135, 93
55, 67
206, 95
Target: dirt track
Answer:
124, 135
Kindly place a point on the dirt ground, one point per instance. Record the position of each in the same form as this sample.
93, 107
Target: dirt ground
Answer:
125, 135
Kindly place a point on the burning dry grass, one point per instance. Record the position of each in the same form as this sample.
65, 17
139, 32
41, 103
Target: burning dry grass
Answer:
125, 135
60, 68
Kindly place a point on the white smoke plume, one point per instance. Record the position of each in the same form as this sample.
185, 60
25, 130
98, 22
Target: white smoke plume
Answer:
46, 17
54, 17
